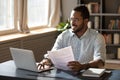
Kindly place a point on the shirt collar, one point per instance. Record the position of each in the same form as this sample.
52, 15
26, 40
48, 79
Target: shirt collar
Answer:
71, 33
85, 34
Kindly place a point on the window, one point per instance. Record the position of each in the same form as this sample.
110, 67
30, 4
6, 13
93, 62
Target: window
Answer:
6, 14
37, 13
23, 15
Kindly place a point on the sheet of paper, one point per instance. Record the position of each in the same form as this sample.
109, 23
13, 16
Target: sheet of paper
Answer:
61, 57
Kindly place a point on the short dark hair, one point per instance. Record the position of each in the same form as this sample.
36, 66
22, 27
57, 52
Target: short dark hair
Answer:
84, 11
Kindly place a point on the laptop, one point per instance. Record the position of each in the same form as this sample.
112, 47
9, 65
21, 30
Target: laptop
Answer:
24, 59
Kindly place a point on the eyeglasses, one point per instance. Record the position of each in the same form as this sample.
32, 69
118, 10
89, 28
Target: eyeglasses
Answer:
74, 19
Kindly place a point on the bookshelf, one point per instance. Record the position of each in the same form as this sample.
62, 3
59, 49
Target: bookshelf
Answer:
105, 17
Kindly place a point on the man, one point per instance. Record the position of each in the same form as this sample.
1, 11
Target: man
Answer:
88, 45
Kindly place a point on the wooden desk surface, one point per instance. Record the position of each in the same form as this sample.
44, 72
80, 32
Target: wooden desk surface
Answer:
8, 71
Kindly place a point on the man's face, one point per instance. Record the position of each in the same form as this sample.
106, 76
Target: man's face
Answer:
76, 21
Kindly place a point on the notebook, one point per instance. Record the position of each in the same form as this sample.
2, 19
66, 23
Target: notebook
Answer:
93, 72
24, 59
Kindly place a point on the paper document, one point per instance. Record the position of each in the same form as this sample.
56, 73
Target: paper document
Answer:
61, 57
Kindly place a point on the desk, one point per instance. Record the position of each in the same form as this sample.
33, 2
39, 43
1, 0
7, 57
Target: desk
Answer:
8, 71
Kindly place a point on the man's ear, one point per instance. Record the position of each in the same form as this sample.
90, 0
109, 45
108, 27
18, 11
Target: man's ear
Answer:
86, 20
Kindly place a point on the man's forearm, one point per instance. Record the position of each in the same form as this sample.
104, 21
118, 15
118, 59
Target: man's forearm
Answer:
97, 63
93, 64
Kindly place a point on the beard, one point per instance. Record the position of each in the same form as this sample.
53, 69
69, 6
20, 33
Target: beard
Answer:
78, 28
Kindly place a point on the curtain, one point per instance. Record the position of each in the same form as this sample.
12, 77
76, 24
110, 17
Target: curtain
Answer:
54, 13
22, 16
53, 19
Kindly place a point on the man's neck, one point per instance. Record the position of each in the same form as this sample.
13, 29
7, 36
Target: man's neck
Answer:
80, 33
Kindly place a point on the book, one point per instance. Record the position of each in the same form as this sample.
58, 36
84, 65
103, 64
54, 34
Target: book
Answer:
108, 38
93, 72
116, 37
93, 7
96, 22
118, 53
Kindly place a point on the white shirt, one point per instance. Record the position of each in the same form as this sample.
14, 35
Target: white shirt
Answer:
90, 46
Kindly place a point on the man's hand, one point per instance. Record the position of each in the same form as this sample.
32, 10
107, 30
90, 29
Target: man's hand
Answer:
75, 66
44, 64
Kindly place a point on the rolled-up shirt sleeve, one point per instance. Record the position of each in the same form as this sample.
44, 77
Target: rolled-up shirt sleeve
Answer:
100, 48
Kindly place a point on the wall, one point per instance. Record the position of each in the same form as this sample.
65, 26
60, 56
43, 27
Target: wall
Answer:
67, 6
39, 43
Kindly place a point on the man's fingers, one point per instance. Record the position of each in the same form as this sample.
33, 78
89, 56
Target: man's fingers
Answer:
40, 66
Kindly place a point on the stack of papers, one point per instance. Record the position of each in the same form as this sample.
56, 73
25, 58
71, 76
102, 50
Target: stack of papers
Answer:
93, 72
61, 57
